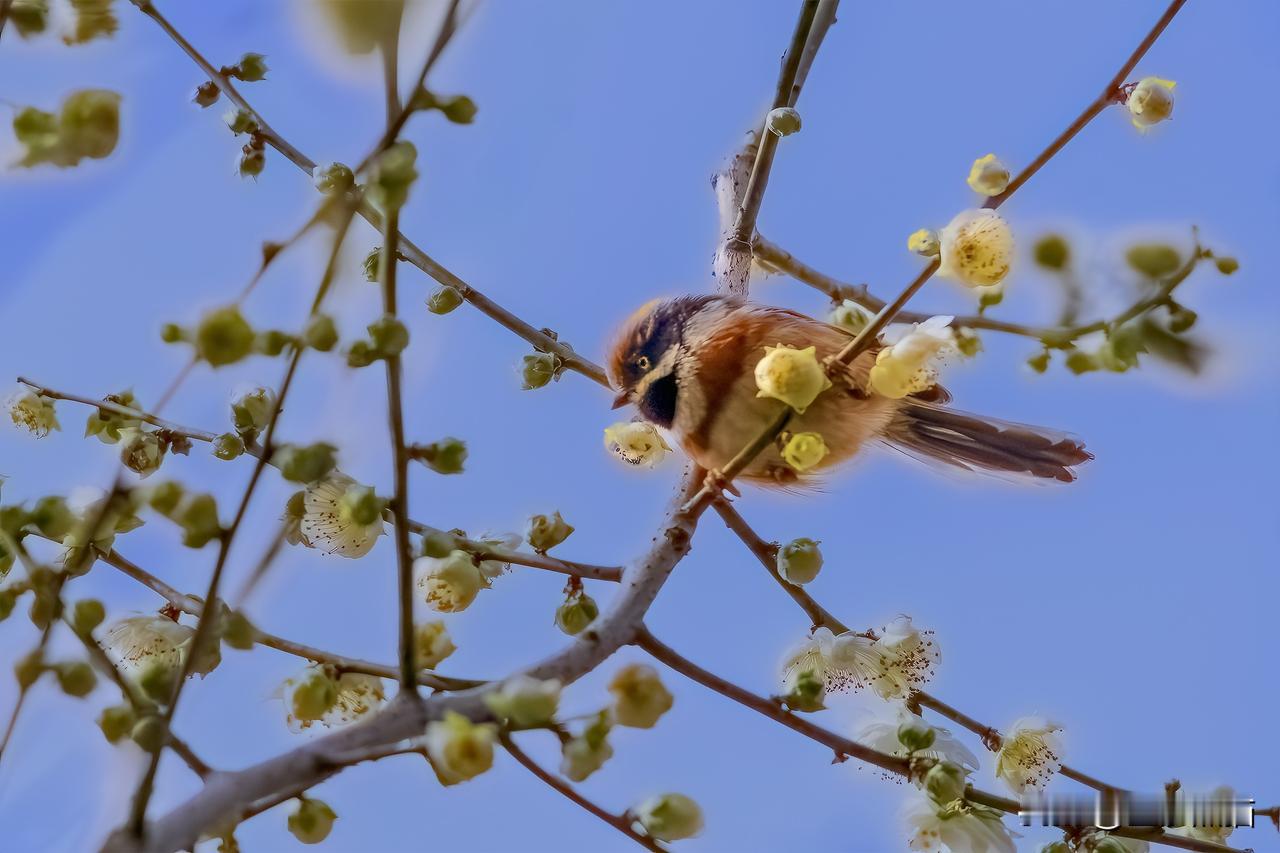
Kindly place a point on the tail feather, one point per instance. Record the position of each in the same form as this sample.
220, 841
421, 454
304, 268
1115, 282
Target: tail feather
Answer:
974, 442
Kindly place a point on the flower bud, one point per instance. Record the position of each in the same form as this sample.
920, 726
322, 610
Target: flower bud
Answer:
576, 612
360, 505
1150, 102
223, 337
156, 680
850, 316
783, 121
197, 515
388, 335
524, 701
799, 561
8, 594
539, 369
320, 333
116, 721
636, 443
544, 532
1052, 252
87, 615
252, 411
165, 497
976, 248
228, 446
791, 375
237, 631
333, 178
253, 160
311, 695
1153, 260
360, 354
372, 264
459, 109
251, 68
445, 456
585, 753
459, 749
804, 450
272, 342
52, 517
439, 543
240, 121
804, 690
449, 584
670, 817
309, 464
141, 451
1181, 319
76, 678
29, 411
988, 176
1040, 361
28, 668
172, 333
312, 821
432, 644
444, 299
915, 734
639, 697
945, 782
150, 733
393, 172
924, 242
30, 17
207, 94
1227, 266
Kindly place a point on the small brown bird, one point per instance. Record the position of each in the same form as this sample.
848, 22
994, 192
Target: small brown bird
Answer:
688, 365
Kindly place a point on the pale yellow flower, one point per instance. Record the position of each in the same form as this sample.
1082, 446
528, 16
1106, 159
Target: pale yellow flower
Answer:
326, 527
459, 749
433, 644
908, 659
924, 242
804, 450
958, 827
137, 644
791, 375
988, 176
29, 411
449, 584
1030, 754
1150, 102
636, 443
351, 696
910, 365
976, 248
670, 817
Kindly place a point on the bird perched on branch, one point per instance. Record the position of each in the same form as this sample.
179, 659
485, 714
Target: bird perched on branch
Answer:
688, 364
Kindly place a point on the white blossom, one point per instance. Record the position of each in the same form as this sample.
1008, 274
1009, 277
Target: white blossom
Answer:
32, 412
137, 644
880, 732
357, 695
909, 365
843, 662
1030, 753
958, 827
636, 443
908, 658
325, 527
976, 248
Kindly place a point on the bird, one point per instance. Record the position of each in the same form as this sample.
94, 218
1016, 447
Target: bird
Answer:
688, 366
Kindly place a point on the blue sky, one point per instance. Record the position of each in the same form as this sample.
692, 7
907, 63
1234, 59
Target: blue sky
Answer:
1133, 606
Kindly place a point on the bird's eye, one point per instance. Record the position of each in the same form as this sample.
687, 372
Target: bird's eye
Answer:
643, 362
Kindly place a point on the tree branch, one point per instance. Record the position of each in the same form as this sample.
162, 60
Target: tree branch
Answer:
618, 822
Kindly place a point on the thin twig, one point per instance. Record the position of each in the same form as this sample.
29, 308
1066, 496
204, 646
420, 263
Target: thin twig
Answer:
618, 822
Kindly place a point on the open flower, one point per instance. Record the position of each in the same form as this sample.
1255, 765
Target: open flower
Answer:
432, 644
883, 730
907, 660
804, 450
1150, 102
29, 411
910, 365
154, 646
328, 523
958, 826
525, 701
636, 443
976, 248
459, 749
1030, 754
791, 375
449, 584
844, 662
316, 695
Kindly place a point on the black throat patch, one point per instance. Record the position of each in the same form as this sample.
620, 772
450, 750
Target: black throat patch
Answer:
658, 405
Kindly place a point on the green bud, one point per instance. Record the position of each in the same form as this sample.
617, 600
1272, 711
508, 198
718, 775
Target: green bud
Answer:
228, 446
150, 733
253, 159
251, 68
272, 342
1181, 319
544, 532
76, 678
157, 680
439, 544
362, 25
1227, 266
87, 126
164, 497
1052, 252
388, 335
223, 336
29, 668
445, 456
172, 333
313, 695
945, 782
639, 696
539, 369
320, 333
360, 505
916, 735
333, 178
459, 109
87, 615
312, 821
444, 300
1081, 362
35, 128
141, 451
206, 95
799, 561
8, 600
361, 354
524, 701
670, 817
240, 121
198, 517
808, 692
783, 121
31, 17
251, 412
1153, 260
372, 264
577, 612
52, 517
308, 464
1040, 361
116, 721
238, 632
967, 341
393, 172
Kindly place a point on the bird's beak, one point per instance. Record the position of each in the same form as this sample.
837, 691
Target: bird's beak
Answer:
622, 399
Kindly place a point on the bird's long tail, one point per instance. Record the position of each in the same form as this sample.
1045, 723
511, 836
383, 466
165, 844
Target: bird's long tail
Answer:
980, 443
